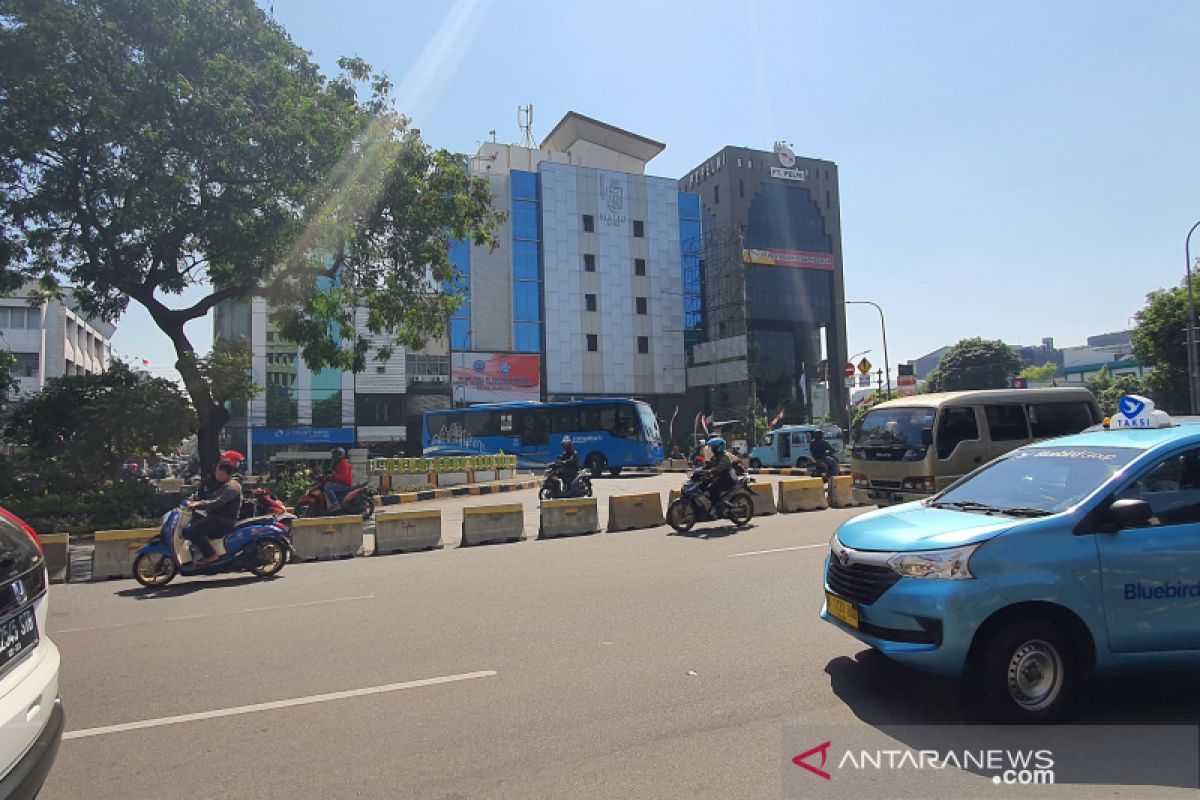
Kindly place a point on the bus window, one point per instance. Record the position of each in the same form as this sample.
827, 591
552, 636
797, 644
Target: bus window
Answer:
564, 420
532, 427
625, 423
506, 423
481, 423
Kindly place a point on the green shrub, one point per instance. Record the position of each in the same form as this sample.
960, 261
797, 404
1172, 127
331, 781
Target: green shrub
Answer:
128, 504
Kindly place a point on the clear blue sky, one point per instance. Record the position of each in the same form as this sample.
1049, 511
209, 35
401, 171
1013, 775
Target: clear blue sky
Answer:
1008, 170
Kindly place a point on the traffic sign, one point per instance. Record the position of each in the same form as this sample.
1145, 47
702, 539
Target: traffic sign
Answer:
864, 366
849, 370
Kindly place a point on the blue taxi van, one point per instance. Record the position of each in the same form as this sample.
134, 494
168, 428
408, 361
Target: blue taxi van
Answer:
1060, 559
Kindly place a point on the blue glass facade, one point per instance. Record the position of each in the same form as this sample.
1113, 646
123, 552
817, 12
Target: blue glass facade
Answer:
460, 321
525, 224
690, 248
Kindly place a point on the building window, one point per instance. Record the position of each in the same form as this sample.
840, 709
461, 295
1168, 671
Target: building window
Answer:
739, 163
589, 302
643, 344
639, 266
589, 262
593, 343
827, 198
716, 194
589, 223
639, 229
641, 305
741, 188
527, 337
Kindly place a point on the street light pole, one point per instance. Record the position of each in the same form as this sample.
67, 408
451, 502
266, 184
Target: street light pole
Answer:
1191, 324
887, 368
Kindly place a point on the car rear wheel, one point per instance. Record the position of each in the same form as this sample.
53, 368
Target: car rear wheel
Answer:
1028, 672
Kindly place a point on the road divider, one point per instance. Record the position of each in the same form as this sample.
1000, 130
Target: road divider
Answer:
56, 549
763, 495
491, 524
112, 556
634, 511
572, 517
802, 494
320, 538
841, 492
407, 531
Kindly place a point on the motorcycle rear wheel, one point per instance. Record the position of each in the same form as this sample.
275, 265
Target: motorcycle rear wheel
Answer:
681, 515
740, 510
272, 557
153, 570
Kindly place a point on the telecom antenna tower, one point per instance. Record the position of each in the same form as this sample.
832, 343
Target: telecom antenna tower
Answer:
525, 123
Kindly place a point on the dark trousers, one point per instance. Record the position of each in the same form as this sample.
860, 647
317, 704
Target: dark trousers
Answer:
200, 530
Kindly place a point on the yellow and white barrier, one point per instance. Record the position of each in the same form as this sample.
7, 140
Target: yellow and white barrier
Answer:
763, 496
56, 549
488, 524
407, 531
571, 517
317, 538
802, 494
634, 511
113, 554
841, 493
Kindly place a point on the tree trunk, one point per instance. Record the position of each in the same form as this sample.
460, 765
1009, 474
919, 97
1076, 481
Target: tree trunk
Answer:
208, 434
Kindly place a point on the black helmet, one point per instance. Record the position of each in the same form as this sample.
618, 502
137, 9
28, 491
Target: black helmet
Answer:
337, 453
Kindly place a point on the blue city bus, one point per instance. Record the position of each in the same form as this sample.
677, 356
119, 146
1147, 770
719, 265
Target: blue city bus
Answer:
609, 433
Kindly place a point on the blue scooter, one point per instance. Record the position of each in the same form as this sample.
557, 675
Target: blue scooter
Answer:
261, 545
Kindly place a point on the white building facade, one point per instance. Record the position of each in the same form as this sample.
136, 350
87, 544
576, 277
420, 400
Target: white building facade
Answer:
52, 340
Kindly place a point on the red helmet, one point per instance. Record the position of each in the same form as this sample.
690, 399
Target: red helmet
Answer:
233, 457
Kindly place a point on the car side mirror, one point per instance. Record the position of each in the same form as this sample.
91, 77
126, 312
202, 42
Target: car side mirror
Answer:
1128, 513
927, 436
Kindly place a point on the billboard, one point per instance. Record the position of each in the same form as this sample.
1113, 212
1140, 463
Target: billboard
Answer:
495, 377
790, 258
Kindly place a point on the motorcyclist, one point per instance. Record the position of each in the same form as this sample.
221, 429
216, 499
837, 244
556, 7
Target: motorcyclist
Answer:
339, 479
822, 451
717, 473
567, 463
222, 513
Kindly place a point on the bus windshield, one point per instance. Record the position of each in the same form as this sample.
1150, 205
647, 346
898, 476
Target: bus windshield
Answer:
649, 424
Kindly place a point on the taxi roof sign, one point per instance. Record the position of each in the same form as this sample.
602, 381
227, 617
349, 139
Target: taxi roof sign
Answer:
1135, 411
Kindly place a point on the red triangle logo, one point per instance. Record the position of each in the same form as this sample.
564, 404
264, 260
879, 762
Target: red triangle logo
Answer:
823, 749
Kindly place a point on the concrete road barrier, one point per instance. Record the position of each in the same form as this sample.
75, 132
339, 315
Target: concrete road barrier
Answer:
802, 494
841, 494
319, 538
407, 531
55, 548
763, 495
113, 554
572, 517
633, 511
488, 524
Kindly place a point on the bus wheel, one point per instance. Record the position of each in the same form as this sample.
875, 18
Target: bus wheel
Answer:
596, 464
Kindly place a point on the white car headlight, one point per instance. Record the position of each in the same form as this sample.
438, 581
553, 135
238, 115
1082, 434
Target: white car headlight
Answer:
947, 565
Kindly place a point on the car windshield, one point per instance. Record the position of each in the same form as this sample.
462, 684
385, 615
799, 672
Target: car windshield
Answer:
895, 426
1036, 481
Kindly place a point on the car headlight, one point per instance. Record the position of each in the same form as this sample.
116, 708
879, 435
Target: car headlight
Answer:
947, 565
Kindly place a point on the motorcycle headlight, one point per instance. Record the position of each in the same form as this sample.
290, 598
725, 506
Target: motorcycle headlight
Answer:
947, 565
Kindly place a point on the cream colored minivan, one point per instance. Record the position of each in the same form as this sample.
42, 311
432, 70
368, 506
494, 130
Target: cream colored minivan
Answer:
910, 448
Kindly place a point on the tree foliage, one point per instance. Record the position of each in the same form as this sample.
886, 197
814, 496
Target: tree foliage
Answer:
1043, 374
1159, 343
151, 146
1108, 390
78, 430
8, 381
975, 364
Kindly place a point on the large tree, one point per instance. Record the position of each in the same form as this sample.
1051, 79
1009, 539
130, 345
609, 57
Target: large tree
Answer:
78, 429
975, 364
1160, 344
149, 146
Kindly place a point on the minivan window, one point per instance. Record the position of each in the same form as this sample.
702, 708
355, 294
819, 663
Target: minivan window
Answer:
895, 426
1059, 419
1006, 423
799, 437
955, 425
1172, 488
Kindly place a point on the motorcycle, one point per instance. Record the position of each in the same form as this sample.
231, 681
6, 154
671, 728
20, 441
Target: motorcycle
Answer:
553, 487
357, 499
261, 545
693, 504
261, 502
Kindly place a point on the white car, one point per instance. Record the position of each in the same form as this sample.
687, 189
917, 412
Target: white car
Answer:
31, 716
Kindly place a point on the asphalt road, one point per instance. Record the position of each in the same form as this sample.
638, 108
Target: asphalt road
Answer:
627, 665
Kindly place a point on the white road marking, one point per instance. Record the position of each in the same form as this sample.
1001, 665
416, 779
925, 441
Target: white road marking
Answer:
184, 617
778, 550
274, 705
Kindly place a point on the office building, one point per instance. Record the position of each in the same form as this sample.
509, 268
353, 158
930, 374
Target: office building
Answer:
772, 297
52, 339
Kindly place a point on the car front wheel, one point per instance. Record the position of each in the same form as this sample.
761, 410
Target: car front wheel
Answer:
1027, 672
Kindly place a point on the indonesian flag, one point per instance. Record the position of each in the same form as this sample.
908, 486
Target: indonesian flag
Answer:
145, 363
778, 418
697, 421
671, 433
706, 421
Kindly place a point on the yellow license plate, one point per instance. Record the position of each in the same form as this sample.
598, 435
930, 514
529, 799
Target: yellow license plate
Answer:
842, 609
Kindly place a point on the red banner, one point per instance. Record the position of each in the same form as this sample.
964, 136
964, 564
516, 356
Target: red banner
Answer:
495, 377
